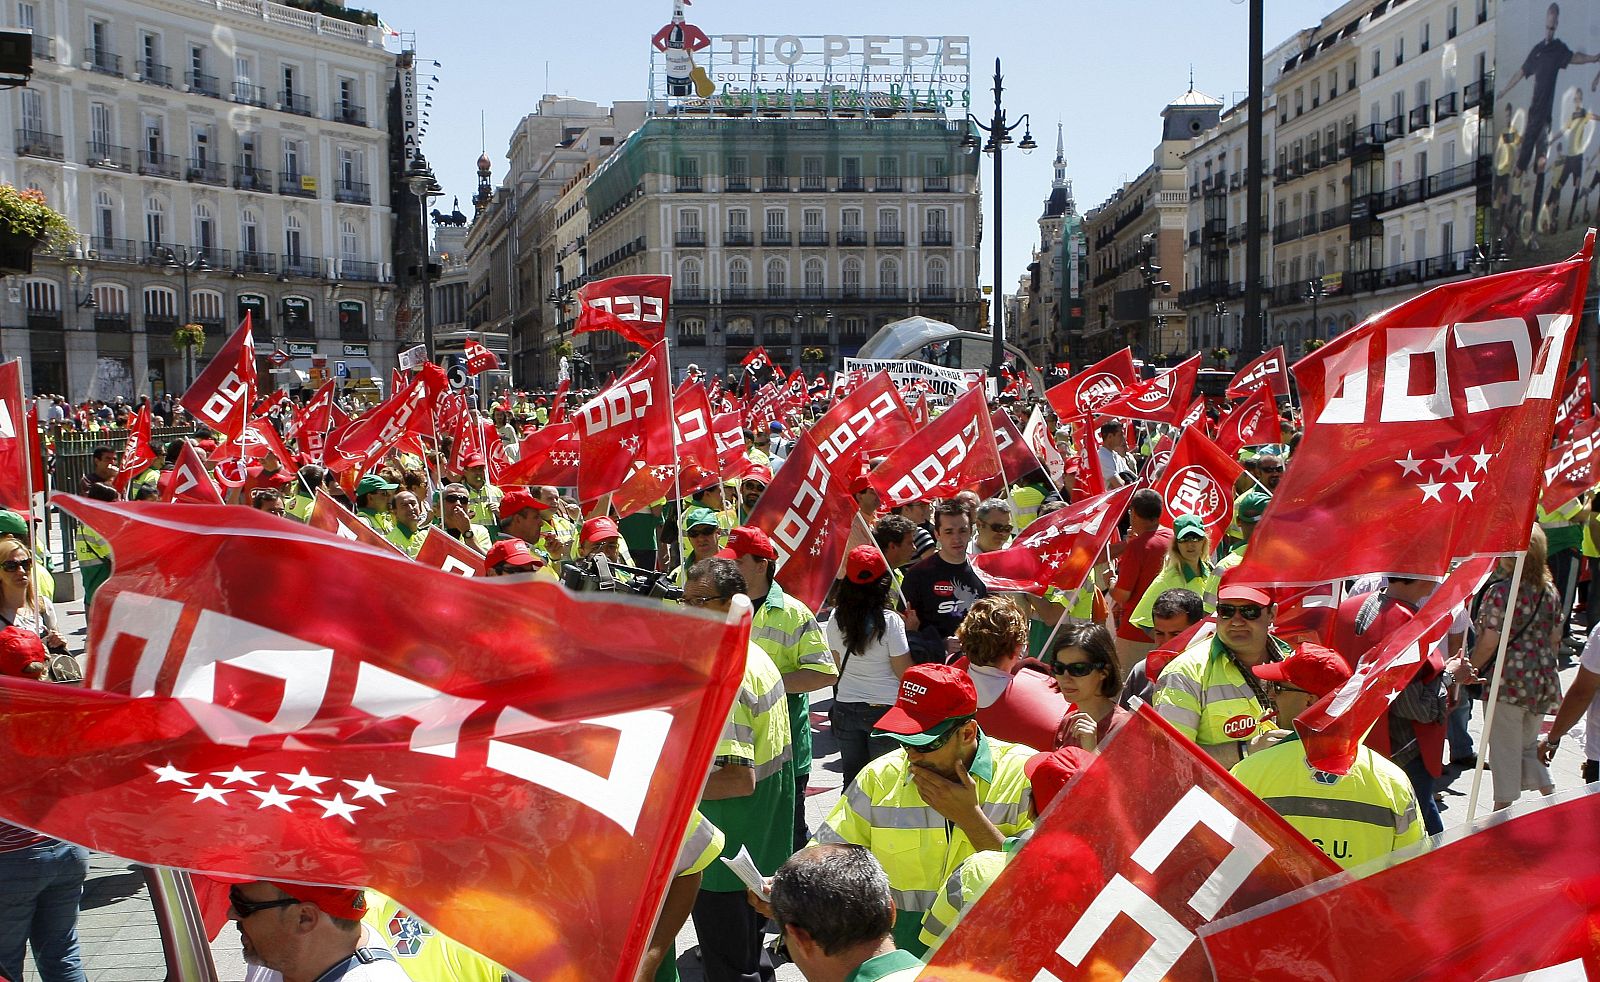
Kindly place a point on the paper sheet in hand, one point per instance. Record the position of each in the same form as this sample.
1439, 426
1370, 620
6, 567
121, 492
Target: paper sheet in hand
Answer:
745, 869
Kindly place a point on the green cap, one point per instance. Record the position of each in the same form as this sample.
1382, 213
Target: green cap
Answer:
13, 524
1188, 527
373, 482
1252, 503
699, 516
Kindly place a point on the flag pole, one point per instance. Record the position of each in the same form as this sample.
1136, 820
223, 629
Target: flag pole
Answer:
25, 445
872, 539
1494, 683
1072, 601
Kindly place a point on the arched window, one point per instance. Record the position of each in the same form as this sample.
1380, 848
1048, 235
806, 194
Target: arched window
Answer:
249, 240
689, 279
206, 306
740, 330
692, 332
739, 277
155, 221
777, 277
937, 283
888, 276
850, 274
205, 235
349, 242
105, 219
42, 296
160, 303
813, 278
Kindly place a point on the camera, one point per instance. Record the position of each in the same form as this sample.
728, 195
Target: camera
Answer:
597, 573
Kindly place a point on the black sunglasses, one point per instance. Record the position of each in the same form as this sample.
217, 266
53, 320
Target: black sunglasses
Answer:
941, 739
1249, 612
244, 908
999, 529
457, 499
1076, 669
15, 565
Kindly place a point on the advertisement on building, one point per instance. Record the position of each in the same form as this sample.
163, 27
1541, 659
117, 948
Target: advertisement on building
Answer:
1547, 109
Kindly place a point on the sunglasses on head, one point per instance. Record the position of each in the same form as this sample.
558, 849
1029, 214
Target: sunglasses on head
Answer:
1076, 669
1249, 612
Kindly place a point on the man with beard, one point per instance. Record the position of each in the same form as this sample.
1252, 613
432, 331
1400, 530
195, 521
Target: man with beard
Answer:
305, 933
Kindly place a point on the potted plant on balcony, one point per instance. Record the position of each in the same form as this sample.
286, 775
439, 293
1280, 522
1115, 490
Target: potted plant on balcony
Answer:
1221, 356
26, 222
1312, 344
813, 355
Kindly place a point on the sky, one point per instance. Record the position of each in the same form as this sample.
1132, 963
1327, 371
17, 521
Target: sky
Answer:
1103, 68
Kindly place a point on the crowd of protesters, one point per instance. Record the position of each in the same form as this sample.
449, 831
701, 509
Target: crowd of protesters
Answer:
958, 711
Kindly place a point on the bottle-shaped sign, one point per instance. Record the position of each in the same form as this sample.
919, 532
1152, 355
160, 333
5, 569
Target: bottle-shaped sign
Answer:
680, 66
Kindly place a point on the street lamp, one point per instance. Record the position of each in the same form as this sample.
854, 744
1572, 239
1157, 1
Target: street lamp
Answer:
1221, 309
420, 179
999, 135
179, 259
1313, 296
1487, 259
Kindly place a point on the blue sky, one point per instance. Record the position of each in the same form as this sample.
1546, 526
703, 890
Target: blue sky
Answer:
1104, 68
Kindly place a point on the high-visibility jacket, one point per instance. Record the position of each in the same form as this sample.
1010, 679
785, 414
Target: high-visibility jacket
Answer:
425, 955
963, 889
918, 849
1025, 502
702, 844
787, 630
483, 505
1203, 693
1354, 818
90, 547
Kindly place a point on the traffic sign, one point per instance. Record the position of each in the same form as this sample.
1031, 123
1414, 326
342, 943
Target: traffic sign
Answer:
341, 370
279, 358
457, 374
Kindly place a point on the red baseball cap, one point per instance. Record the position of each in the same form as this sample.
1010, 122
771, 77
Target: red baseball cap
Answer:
598, 530
333, 901
761, 475
1234, 590
933, 698
747, 540
865, 564
1312, 667
473, 459
512, 552
516, 501
1050, 772
19, 648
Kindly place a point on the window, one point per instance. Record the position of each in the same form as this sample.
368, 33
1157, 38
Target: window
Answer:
811, 220
688, 172
291, 240
937, 282
42, 295
777, 277
812, 177
935, 219
739, 220
160, 303
1447, 239
1299, 101
154, 221
101, 131
111, 300
850, 275
739, 275
738, 173
150, 55
100, 39
105, 215
205, 305
32, 110
689, 277
291, 161
247, 151
888, 276
200, 138
288, 82
197, 61
352, 167
1399, 51
813, 278
249, 240
26, 16
1350, 74
347, 92
850, 219
1377, 62
888, 220
850, 173
777, 223
204, 229
689, 221
1427, 37
153, 143
349, 242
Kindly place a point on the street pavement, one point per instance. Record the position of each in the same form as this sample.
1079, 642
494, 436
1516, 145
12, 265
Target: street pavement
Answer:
121, 942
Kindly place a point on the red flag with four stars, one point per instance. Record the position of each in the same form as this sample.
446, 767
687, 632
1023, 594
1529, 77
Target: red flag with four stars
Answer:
1271, 368
1198, 480
633, 306
546, 456
1251, 423
1165, 398
1093, 387
1569, 467
509, 760
1058, 549
807, 512
479, 358
694, 466
628, 422
1577, 401
1426, 431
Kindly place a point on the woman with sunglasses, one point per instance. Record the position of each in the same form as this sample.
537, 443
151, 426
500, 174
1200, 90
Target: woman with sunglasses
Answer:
1084, 661
20, 603
868, 642
1188, 567
1017, 702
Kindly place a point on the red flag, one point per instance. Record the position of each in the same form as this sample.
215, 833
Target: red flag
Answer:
188, 481
1017, 458
1195, 415
1251, 423
321, 415
1130, 870
1577, 403
1087, 457
955, 451
546, 456
807, 511
16, 435
1334, 726
222, 395
1426, 431
269, 402
728, 430
1198, 480
1059, 548
633, 306
1157, 464
409, 410
1093, 387
1271, 368
1305, 614
335, 519
1163, 399
558, 402
765, 407
696, 464
256, 441
441, 550
756, 360
1544, 865
626, 423
479, 358
868, 421
394, 739
1569, 467
1043, 444
921, 413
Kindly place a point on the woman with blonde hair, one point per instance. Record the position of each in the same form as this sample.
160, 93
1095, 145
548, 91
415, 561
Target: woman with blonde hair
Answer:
1017, 701
1530, 684
21, 605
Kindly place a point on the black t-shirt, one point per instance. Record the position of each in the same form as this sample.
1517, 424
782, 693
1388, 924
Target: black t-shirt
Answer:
941, 593
1543, 65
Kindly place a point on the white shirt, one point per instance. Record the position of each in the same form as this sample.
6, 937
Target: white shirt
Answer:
1591, 728
868, 676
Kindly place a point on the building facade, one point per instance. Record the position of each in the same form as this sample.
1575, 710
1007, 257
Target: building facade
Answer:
208, 180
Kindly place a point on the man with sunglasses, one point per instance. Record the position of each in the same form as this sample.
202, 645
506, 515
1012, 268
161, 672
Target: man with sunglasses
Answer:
307, 933
1356, 817
950, 791
455, 518
1209, 692
993, 529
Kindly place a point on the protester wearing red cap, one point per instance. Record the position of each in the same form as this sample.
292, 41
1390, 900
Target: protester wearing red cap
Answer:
1209, 692
868, 642
509, 557
484, 503
521, 516
751, 487
788, 631
1355, 817
600, 534
948, 792
307, 933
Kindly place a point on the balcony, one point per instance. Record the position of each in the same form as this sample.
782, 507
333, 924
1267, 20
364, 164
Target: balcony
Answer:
690, 237
206, 172
851, 184
1194, 239
252, 178
300, 265
44, 47
813, 182
159, 323
736, 183
686, 182
103, 61
813, 237
1332, 218
736, 237
1408, 193
886, 184
294, 185
1367, 141
44, 320
1458, 177
1215, 228
689, 295
349, 112
295, 102
152, 164
249, 94
352, 192
34, 143
1418, 119
773, 182
938, 182
776, 237
202, 83
852, 237
255, 262
936, 237
108, 250
154, 73
214, 258
1479, 95
119, 323
889, 237
106, 156
1444, 107
1394, 128
358, 270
